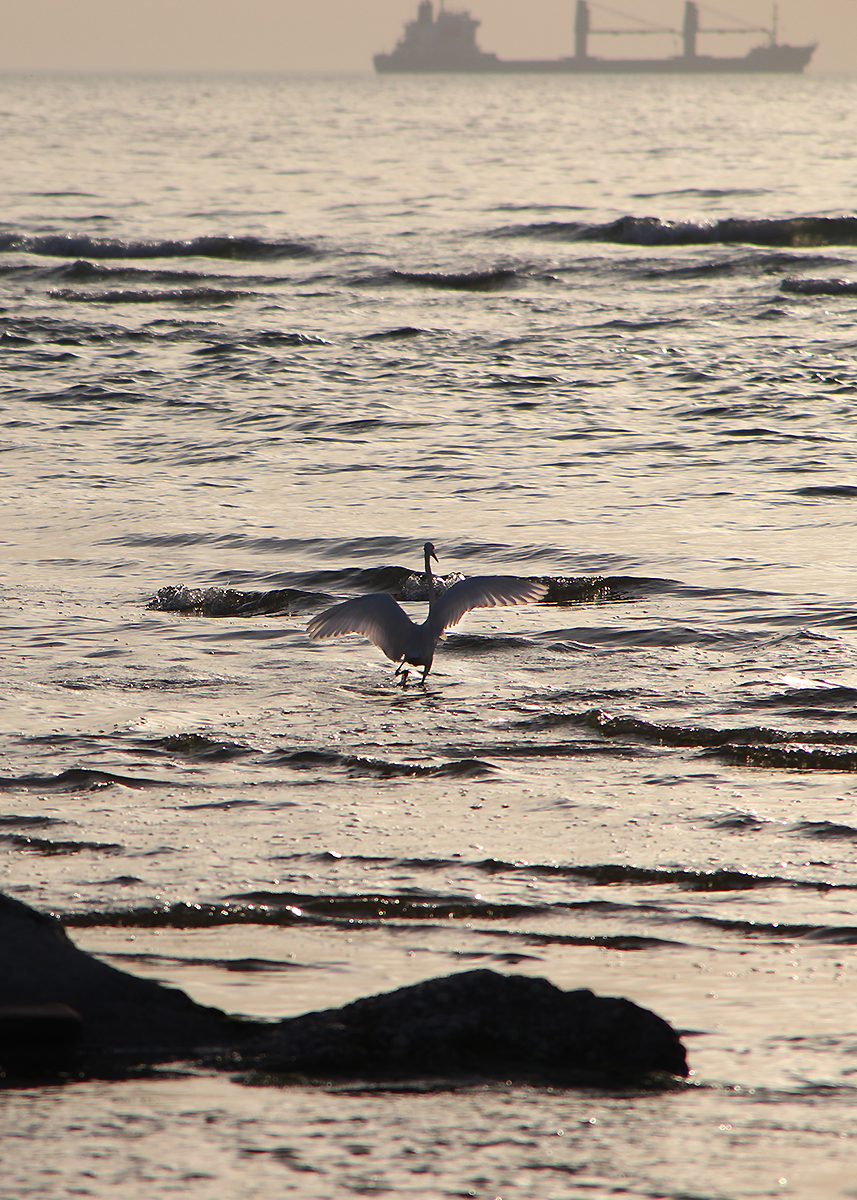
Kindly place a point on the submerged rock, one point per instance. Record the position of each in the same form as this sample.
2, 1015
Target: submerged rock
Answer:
64, 1012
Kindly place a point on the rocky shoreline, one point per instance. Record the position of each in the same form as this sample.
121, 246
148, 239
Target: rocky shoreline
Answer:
65, 1015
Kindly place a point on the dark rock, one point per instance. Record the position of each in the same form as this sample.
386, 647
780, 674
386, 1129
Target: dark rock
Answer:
66, 1010
126, 1020
39, 1039
478, 1024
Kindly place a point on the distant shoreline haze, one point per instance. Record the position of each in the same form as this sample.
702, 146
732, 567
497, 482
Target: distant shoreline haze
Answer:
342, 35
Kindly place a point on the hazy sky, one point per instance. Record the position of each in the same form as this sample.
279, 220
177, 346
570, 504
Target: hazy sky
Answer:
342, 35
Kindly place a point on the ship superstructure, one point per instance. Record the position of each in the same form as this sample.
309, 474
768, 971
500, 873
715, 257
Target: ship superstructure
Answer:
446, 42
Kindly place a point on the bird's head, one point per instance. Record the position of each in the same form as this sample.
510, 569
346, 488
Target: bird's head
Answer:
429, 549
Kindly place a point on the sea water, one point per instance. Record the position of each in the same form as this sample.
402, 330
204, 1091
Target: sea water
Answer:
261, 338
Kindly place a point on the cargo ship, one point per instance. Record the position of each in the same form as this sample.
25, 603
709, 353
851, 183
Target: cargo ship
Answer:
446, 42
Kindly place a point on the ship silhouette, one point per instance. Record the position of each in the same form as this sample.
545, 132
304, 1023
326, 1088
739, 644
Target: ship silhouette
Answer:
446, 42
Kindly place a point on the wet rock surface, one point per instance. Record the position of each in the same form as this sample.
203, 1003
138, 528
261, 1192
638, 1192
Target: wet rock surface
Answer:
64, 1013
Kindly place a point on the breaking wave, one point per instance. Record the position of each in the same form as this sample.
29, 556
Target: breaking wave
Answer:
400, 582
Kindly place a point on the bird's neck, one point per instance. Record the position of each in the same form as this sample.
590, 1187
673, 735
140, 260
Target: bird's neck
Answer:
429, 580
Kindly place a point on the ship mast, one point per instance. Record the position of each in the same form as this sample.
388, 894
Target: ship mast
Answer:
690, 29
581, 30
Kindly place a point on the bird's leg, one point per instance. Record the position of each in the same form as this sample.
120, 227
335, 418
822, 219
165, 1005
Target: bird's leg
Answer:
425, 672
402, 669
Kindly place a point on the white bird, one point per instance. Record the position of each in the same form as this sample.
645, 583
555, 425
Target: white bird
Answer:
383, 621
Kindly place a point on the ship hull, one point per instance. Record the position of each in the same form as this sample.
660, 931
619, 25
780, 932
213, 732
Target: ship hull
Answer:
777, 60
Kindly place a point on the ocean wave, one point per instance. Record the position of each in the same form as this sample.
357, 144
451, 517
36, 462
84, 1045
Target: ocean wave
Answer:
826, 830
195, 746
652, 231
792, 758
827, 697
284, 908
226, 602
287, 908
416, 905
400, 582
357, 765
751, 746
522, 381
75, 779
780, 930
225, 246
764, 264
829, 491
831, 935
181, 915
227, 805
463, 281
822, 830
20, 821
707, 193
752, 738
603, 874
820, 287
737, 822
718, 879
83, 271
658, 635
388, 335
25, 841
268, 338
185, 960
483, 643
196, 295
636, 326
138, 278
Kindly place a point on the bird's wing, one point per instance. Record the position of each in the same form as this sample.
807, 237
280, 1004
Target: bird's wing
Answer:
378, 617
482, 591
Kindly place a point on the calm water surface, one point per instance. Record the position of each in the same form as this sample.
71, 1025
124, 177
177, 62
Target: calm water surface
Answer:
261, 337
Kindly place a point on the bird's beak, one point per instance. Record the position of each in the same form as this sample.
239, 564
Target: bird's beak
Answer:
433, 555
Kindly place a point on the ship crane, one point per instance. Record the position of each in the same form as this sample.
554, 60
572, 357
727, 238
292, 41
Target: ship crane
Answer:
771, 30
691, 27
